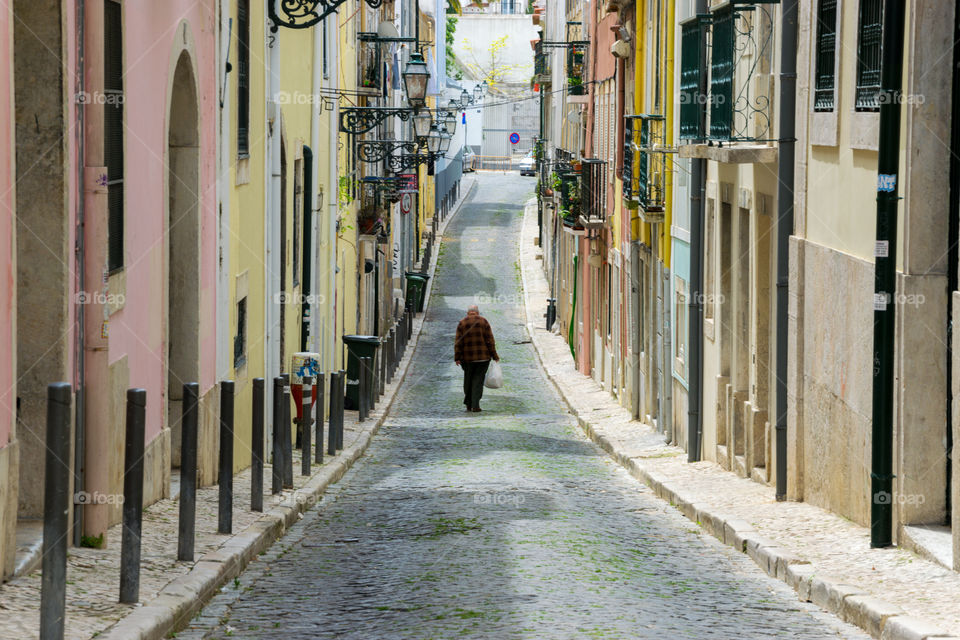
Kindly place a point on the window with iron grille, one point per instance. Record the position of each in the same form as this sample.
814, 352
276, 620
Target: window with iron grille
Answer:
825, 83
593, 200
629, 155
869, 45
113, 130
243, 78
692, 102
652, 165
721, 74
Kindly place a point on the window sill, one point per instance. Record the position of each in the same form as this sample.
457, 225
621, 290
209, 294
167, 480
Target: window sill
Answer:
731, 152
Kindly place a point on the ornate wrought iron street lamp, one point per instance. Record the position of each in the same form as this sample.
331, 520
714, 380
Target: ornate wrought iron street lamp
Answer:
415, 78
445, 138
433, 140
421, 124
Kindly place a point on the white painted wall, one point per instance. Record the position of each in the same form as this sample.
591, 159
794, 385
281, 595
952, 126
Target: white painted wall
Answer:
475, 34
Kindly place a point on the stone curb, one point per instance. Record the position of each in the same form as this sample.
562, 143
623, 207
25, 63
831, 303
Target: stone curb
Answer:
179, 601
877, 617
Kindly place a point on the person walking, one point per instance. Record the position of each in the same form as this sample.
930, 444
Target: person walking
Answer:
473, 350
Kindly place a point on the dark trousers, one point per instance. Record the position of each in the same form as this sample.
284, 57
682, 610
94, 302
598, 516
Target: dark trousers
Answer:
473, 375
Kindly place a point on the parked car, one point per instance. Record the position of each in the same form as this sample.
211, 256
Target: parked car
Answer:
528, 166
469, 157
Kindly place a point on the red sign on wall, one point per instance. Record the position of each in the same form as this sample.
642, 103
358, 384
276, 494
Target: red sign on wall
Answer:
409, 182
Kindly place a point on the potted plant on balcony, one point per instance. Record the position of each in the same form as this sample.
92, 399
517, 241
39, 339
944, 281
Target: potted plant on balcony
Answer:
575, 86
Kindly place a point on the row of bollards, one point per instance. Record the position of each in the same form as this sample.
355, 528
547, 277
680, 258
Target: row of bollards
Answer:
374, 375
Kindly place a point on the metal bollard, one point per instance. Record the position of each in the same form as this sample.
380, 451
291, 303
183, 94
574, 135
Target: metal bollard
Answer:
371, 372
277, 469
287, 427
318, 454
56, 507
381, 370
332, 432
132, 496
341, 395
389, 355
362, 394
225, 504
306, 426
188, 472
256, 471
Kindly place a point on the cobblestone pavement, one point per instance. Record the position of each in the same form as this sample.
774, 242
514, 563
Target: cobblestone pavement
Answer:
507, 523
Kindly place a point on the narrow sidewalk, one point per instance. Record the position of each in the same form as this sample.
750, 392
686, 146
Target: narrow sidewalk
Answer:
171, 592
890, 593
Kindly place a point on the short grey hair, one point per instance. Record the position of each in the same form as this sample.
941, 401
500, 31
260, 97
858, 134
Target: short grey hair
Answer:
473, 307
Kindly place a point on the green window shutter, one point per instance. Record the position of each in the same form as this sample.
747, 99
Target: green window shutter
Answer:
825, 83
113, 130
869, 45
721, 74
692, 102
243, 78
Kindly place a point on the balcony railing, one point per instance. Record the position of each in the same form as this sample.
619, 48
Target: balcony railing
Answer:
645, 165
737, 105
593, 188
541, 64
369, 64
569, 195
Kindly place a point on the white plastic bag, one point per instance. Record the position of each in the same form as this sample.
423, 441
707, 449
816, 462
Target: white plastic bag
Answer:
494, 377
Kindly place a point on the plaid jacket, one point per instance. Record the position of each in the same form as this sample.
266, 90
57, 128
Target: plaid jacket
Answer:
474, 342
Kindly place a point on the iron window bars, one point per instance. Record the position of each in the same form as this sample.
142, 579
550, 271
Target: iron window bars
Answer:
869, 50
824, 86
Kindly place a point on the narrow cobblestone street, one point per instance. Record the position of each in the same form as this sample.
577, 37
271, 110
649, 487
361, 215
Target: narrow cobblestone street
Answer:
504, 524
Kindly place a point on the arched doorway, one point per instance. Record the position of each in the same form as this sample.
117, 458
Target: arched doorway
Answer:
183, 247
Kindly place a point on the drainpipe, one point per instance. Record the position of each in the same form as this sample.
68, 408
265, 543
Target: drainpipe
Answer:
80, 258
698, 172
333, 43
316, 108
788, 99
885, 272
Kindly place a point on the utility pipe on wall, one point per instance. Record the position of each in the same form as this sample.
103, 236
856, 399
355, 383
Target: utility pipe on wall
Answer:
785, 174
80, 257
885, 274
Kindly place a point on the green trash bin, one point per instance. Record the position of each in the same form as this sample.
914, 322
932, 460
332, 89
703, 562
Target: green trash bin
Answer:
357, 347
417, 288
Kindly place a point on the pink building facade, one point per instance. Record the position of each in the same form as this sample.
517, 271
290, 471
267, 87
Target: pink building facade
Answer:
8, 295
122, 147
149, 201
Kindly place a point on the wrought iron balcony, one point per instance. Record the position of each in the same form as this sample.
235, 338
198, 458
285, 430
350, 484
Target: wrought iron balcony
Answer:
593, 192
369, 64
735, 105
645, 165
541, 64
570, 206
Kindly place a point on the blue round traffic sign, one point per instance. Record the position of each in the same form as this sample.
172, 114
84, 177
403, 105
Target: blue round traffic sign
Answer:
514, 138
